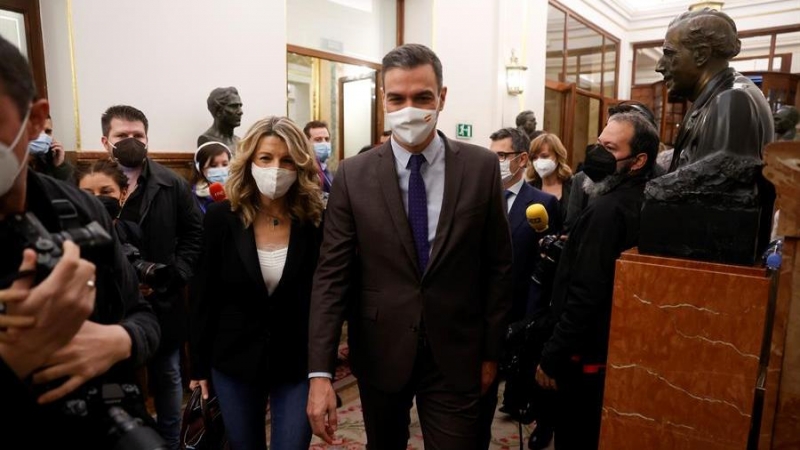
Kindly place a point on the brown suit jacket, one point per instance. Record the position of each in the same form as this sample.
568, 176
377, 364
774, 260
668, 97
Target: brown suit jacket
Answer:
368, 267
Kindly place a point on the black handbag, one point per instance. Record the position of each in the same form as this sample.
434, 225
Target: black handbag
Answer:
202, 427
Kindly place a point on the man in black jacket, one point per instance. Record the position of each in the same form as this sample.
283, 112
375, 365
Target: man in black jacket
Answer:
573, 359
51, 354
163, 205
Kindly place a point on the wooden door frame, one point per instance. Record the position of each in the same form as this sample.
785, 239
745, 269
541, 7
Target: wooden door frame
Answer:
377, 106
33, 33
373, 135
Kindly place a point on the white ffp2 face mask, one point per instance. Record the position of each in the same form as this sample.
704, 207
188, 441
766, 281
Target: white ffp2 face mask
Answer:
10, 166
505, 169
273, 182
412, 125
544, 166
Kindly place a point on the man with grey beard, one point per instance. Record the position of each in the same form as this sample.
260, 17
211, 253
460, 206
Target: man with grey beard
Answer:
573, 359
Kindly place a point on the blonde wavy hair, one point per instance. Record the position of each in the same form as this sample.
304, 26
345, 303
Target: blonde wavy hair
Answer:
553, 143
304, 198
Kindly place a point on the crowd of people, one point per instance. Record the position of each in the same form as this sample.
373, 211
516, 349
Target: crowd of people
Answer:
423, 245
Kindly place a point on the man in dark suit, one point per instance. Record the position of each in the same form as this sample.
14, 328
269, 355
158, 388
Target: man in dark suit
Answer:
420, 221
511, 147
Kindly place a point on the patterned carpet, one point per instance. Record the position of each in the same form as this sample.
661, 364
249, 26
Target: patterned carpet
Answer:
505, 433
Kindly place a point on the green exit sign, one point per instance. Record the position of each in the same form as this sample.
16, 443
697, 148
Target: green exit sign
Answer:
464, 131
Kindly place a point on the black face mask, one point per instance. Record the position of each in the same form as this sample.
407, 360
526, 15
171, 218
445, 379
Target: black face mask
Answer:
111, 204
130, 152
600, 163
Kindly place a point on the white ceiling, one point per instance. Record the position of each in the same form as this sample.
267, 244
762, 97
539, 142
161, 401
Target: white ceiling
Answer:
642, 10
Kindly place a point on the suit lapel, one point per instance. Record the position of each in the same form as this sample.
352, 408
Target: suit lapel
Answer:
246, 245
516, 217
387, 177
453, 174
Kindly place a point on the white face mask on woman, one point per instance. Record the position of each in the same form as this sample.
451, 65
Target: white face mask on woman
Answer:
273, 182
412, 125
544, 166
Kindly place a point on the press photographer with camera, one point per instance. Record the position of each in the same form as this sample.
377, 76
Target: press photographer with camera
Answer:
573, 359
511, 147
70, 380
106, 181
161, 202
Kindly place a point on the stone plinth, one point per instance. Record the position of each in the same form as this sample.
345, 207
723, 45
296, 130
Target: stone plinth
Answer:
683, 356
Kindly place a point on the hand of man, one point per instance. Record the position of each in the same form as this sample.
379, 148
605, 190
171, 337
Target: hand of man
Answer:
59, 305
58, 153
93, 350
488, 374
321, 409
203, 387
544, 379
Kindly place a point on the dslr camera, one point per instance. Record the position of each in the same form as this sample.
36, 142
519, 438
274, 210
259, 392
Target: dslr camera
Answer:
107, 405
545, 270
156, 275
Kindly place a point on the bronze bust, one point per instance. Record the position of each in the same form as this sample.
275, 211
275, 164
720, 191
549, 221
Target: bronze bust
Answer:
786, 119
526, 122
225, 106
714, 185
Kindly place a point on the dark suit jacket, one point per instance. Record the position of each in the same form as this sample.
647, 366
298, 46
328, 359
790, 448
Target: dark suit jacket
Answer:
525, 241
236, 326
463, 297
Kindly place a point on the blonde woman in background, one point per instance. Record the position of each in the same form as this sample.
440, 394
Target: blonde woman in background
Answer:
249, 328
548, 169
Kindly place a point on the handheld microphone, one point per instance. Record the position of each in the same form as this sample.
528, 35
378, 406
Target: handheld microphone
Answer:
217, 191
537, 217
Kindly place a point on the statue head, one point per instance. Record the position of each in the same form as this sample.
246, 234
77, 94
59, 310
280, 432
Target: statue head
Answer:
526, 121
697, 45
225, 106
786, 119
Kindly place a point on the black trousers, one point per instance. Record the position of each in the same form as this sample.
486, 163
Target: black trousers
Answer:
448, 418
579, 408
488, 406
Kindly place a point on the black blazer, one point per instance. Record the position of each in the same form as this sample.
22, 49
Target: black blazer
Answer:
236, 327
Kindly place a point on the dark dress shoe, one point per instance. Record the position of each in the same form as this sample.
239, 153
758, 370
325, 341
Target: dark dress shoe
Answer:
541, 436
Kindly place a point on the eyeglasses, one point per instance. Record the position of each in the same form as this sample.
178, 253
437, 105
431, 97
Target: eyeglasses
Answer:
502, 156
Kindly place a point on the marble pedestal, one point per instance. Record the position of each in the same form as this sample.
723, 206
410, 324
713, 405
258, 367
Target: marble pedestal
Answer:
683, 356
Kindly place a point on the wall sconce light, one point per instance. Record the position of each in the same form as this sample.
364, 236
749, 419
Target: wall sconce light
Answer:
717, 6
515, 76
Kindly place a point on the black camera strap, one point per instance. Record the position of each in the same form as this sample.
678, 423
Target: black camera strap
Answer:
67, 214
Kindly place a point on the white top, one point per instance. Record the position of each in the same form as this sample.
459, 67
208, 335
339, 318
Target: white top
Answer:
272, 263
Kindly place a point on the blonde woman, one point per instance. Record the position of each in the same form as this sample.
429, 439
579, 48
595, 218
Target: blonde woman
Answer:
548, 169
249, 330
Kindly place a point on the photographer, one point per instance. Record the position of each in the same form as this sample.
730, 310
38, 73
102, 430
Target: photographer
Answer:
47, 155
162, 203
573, 359
57, 357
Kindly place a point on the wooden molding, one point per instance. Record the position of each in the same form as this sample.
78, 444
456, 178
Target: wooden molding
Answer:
181, 163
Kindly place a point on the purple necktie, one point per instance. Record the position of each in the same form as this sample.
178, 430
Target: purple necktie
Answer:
418, 211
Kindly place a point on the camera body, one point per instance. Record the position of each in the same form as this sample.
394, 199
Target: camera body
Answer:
48, 246
550, 248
